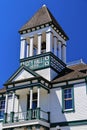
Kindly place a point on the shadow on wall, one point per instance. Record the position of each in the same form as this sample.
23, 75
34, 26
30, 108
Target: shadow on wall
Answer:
58, 117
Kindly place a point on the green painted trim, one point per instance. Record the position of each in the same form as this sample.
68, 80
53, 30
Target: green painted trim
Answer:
27, 86
34, 57
86, 84
66, 82
2, 98
86, 87
38, 113
49, 54
5, 118
48, 117
29, 114
12, 117
70, 80
22, 81
1, 120
73, 107
69, 123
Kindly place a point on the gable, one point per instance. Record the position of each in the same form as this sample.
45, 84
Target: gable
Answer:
23, 75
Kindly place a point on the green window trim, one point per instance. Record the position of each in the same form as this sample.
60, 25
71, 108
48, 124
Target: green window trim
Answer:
86, 87
63, 107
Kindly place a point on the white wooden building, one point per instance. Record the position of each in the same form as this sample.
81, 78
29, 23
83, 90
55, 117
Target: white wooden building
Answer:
44, 93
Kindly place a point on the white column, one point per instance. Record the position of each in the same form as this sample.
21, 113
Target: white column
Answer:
31, 45
13, 101
48, 41
27, 50
31, 96
64, 53
59, 49
55, 45
38, 98
39, 43
22, 49
6, 103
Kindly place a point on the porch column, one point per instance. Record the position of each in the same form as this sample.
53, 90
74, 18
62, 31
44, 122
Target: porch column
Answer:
6, 103
31, 45
38, 98
31, 96
48, 41
22, 48
6, 108
12, 111
13, 101
64, 53
59, 49
55, 45
27, 50
39, 43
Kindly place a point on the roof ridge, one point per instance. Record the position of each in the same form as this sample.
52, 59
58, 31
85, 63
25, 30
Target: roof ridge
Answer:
48, 12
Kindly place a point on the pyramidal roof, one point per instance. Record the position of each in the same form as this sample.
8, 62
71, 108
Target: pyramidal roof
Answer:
42, 16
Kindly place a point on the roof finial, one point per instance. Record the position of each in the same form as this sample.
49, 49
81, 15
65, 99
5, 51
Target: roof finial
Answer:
44, 5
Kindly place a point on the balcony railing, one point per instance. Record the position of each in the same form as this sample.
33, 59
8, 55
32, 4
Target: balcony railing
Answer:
31, 114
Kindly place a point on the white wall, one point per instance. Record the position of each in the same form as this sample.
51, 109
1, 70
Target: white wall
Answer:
80, 98
44, 99
23, 75
0, 125
48, 73
10, 105
23, 103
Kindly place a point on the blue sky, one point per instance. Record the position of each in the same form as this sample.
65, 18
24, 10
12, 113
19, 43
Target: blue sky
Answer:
71, 14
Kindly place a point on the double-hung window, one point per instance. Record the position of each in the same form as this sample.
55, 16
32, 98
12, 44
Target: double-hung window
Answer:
34, 101
68, 99
2, 107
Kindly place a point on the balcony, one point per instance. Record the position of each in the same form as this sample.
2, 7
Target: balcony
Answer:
32, 116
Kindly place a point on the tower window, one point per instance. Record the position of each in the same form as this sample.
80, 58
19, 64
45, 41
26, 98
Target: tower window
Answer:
43, 47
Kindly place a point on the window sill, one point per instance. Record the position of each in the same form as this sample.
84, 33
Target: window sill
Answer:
68, 110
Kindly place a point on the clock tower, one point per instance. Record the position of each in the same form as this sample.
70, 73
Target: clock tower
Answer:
43, 45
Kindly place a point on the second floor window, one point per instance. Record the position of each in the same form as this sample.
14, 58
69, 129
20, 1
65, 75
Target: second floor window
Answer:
34, 101
68, 99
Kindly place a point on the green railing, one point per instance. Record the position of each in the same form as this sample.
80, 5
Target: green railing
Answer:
29, 115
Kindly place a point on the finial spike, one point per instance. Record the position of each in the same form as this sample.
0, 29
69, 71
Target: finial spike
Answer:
44, 5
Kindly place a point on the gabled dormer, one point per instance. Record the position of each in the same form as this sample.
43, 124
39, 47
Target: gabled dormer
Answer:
43, 44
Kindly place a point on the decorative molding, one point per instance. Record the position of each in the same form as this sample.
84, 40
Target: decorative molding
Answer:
69, 123
43, 61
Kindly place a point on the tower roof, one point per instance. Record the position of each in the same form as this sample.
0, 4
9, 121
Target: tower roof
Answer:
42, 16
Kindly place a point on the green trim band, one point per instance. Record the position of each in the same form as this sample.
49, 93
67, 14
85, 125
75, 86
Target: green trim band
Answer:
69, 123
28, 86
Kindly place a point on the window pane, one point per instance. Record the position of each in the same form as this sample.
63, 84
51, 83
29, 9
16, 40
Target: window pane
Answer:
1, 114
68, 104
34, 105
34, 96
68, 98
67, 93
